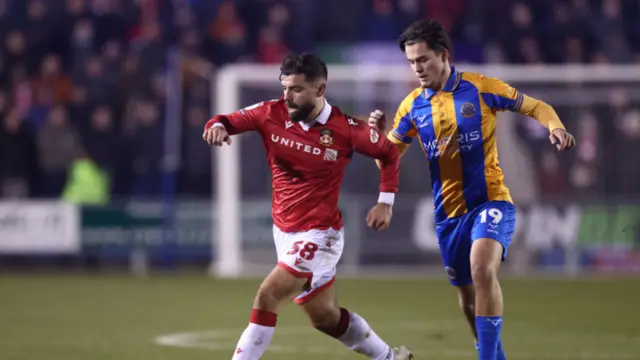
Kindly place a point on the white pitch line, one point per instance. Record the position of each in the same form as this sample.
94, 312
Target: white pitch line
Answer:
224, 340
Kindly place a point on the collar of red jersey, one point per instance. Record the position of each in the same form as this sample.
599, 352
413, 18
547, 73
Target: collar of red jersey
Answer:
322, 118
451, 85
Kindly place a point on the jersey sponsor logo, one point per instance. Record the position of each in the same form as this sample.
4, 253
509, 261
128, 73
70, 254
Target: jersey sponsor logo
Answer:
295, 145
330, 154
288, 124
468, 110
326, 137
448, 145
351, 121
374, 136
421, 121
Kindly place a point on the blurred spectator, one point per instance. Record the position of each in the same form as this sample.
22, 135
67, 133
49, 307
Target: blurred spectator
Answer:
146, 150
227, 34
58, 144
103, 145
196, 170
81, 47
551, 179
18, 158
584, 172
384, 24
52, 86
271, 48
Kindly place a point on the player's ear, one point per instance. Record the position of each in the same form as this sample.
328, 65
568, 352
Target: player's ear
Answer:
321, 88
445, 55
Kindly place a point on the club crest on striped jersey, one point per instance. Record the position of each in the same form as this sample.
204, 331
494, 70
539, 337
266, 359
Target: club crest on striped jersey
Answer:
467, 110
326, 137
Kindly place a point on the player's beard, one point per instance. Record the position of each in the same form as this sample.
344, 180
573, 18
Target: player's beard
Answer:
300, 112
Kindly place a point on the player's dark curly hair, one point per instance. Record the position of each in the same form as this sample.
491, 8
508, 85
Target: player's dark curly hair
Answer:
429, 31
306, 64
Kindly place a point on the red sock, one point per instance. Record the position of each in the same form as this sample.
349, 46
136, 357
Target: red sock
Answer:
343, 324
264, 318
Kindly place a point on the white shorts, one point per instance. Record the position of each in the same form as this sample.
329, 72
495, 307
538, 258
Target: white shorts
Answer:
311, 254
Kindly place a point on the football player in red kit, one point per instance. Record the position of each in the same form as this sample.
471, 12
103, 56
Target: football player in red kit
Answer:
309, 143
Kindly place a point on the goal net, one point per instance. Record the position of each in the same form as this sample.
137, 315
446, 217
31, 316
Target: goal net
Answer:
575, 210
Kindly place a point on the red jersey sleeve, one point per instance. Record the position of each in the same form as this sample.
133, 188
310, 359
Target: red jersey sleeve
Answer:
244, 120
372, 143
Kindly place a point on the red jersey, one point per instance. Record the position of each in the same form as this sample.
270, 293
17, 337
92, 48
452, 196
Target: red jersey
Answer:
308, 162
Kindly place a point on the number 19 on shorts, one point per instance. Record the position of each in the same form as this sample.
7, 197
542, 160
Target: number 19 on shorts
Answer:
494, 214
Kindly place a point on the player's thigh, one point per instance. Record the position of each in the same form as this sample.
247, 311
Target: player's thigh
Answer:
493, 226
313, 255
455, 246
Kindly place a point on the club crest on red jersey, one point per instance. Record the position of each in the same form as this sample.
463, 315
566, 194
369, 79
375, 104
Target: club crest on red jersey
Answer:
374, 136
326, 137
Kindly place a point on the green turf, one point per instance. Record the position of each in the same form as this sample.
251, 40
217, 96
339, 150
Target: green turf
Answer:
118, 318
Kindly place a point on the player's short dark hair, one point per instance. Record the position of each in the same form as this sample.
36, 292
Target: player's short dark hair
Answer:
429, 31
306, 64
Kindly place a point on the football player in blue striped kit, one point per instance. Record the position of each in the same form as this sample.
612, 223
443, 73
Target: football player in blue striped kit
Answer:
453, 116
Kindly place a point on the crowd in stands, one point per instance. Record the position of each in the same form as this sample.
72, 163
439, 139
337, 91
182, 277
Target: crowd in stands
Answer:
88, 78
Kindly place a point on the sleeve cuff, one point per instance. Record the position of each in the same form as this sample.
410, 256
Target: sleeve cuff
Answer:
218, 125
386, 198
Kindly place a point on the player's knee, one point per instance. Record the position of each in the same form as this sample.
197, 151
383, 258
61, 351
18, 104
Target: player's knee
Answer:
266, 299
483, 274
326, 321
271, 295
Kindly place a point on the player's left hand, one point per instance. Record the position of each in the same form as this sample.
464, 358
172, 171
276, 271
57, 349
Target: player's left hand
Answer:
379, 217
562, 139
378, 120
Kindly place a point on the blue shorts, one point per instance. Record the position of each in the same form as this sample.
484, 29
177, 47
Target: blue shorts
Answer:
494, 220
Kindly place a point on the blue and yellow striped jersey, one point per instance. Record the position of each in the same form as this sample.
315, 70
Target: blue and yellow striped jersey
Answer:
457, 130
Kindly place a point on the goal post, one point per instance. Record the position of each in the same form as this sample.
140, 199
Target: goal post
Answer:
227, 90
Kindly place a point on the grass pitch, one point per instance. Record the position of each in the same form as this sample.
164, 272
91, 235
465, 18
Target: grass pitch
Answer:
187, 317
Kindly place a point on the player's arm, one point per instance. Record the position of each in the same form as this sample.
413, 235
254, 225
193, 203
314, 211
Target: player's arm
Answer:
219, 127
371, 142
500, 96
402, 132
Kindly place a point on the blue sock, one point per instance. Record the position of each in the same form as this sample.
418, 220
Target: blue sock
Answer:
501, 355
488, 328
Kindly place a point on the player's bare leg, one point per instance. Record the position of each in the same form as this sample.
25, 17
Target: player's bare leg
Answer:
486, 256
349, 328
276, 290
467, 301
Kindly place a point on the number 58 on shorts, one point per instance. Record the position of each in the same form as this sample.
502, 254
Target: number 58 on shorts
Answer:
311, 254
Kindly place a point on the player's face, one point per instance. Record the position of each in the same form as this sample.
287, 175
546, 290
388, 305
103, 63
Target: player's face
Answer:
300, 96
428, 65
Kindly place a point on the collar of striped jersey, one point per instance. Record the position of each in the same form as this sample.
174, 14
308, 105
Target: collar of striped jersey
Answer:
450, 86
321, 119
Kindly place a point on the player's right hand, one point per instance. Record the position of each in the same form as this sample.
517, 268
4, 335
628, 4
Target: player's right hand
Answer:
379, 217
216, 136
378, 120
